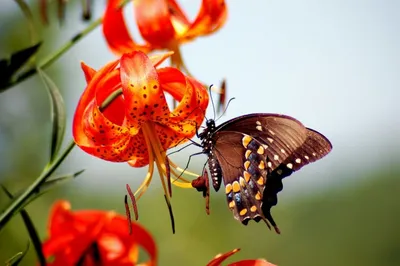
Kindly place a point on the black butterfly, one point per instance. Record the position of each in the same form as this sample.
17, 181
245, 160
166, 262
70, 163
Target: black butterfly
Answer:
252, 153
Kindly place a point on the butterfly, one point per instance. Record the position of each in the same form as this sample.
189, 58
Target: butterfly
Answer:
252, 154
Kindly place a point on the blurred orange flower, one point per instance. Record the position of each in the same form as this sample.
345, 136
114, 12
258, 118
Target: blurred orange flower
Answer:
162, 24
221, 257
137, 125
93, 237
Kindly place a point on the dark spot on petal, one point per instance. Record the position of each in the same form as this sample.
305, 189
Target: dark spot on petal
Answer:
144, 87
155, 87
145, 96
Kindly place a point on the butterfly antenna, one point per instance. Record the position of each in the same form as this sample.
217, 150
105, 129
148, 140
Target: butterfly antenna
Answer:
212, 101
226, 108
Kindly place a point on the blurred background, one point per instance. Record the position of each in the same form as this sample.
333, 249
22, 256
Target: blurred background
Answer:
334, 65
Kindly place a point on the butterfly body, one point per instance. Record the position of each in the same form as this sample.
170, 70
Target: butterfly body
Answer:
252, 154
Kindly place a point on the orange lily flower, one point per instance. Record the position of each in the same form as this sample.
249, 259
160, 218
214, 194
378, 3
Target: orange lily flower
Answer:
93, 237
162, 24
137, 126
221, 257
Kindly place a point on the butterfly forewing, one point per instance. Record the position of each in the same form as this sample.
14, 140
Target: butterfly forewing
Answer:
280, 135
314, 148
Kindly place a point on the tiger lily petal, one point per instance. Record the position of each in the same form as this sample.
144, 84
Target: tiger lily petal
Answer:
123, 115
222, 257
162, 24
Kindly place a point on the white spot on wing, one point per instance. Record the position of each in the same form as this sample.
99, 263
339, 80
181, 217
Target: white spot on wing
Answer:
270, 140
298, 160
276, 157
290, 166
259, 128
283, 151
271, 132
258, 123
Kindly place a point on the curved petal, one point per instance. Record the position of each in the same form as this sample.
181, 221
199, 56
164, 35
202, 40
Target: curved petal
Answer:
189, 114
87, 97
116, 32
75, 234
67, 231
158, 59
106, 87
118, 227
259, 262
154, 22
139, 161
123, 150
211, 17
144, 99
88, 71
178, 18
221, 257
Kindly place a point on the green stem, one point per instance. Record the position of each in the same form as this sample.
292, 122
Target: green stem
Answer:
18, 203
53, 57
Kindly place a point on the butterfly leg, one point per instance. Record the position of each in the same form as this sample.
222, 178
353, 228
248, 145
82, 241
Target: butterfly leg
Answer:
187, 165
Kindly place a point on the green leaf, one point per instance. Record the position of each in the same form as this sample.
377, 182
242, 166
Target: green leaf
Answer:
34, 36
17, 258
31, 231
8, 67
46, 187
51, 184
58, 114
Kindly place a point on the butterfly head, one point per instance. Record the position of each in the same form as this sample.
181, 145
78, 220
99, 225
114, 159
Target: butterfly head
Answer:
209, 130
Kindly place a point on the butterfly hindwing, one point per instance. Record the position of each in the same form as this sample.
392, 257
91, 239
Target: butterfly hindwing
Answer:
244, 173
